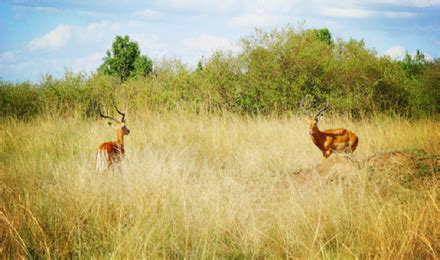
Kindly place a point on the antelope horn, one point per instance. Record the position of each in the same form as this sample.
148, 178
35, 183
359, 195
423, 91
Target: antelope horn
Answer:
122, 114
327, 106
108, 117
303, 107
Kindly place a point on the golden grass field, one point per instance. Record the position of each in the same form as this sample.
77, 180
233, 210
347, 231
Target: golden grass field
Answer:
211, 186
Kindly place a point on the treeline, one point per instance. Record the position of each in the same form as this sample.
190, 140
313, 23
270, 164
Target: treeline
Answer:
270, 74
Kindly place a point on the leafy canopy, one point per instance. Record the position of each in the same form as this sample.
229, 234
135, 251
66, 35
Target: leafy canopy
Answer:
324, 35
413, 65
125, 60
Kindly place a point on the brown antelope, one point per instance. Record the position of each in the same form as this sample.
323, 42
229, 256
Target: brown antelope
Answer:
112, 152
331, 140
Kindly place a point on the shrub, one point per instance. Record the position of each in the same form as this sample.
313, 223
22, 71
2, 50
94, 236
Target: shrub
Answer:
271, 73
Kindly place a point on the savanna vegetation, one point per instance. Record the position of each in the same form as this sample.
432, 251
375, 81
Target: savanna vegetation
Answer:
270, 73
219, 163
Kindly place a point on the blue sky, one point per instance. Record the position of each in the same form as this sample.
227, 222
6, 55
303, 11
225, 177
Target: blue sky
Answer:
48, 36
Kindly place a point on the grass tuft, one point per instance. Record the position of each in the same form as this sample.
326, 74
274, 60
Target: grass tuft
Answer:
203, 186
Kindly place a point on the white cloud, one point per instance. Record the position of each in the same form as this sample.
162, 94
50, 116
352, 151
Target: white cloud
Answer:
396, 52
54, 39
256, 20
65, 36
94, 14
347, 12
352, 3
399, 14
201, 5
208, 43
147, 42
231, 6
55, 66
77, 48
353, 12
86, 63
148, 14
7, 56
95, 33
270, 6
36, 8
429, 57
265, 13
416, 3
94, 36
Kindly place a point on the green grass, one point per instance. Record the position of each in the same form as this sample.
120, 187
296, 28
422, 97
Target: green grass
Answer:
201, 186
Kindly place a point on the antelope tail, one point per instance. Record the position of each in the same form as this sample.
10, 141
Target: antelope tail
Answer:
101, 161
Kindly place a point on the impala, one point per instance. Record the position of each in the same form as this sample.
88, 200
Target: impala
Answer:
112, 152
331, 140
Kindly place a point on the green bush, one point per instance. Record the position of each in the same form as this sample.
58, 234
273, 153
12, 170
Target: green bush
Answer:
271, 73
20, 100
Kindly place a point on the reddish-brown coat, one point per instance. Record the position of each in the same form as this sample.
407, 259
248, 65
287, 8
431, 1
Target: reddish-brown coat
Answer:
332, 140
112, 152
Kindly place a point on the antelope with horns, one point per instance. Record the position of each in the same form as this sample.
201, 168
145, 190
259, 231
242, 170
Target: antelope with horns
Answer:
112, 152
331, 140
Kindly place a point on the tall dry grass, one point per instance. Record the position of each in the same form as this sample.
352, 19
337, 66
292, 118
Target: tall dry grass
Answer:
200, 186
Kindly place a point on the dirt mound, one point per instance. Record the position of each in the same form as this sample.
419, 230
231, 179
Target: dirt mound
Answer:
390, 160
409, 168
337, 165
328, 169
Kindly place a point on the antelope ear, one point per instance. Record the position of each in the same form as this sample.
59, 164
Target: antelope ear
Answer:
320, 116
111, 124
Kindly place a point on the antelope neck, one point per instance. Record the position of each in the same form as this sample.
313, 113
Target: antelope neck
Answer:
315, 130
119, 138
316, 134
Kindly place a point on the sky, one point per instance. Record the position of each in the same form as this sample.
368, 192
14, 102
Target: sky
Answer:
51, 36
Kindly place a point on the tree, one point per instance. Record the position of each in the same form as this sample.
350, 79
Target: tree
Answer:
142, 66
199, 66
413, 65
125, 60
324, 35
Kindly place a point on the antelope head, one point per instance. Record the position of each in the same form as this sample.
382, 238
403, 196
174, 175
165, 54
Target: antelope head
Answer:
313, 120
330, 140
119, 125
